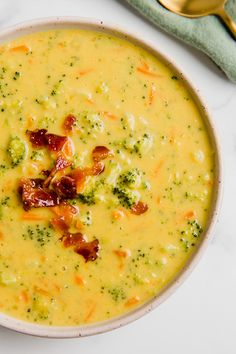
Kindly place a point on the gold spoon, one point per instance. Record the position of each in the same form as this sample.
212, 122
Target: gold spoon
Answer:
198, 8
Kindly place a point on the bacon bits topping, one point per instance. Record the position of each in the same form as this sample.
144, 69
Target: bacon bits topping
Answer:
64, 216
55, 142
97, 169
40, 138
139, 208
61, 164
69, 123
43, 192
79, 176
37, 137
89, 250
101, 153
72, 239
65, 187
59, 223
34, 196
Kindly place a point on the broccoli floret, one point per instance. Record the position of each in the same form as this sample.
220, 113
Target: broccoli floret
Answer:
140, 146
117, 294
87, 198
125, 188
16, 150
131, 178
90, 124
127, 198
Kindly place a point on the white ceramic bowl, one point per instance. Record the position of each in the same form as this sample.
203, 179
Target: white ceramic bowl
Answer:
79, 331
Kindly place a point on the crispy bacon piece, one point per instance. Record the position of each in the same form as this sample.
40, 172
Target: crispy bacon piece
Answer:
45, 173
100, 153
61, 164
65, 187
139, 208
72, 239
89, 250
34, 196
64, 216
55, 142
37, 138
97, 169
79, 175
69, 123
59, 223
40, 138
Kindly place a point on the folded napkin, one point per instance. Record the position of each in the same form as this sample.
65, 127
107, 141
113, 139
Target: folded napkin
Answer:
205, 33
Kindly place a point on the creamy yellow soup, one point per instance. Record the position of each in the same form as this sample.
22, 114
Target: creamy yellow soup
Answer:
143, 213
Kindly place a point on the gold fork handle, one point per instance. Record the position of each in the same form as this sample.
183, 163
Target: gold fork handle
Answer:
227, 20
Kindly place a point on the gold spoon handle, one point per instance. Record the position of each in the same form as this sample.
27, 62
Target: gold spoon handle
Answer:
228, 21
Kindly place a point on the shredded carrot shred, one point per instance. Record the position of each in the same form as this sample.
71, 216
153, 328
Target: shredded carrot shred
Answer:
120, 253
24, 296
20, 48
118, 214
158, 200
152, 94
132, 301
79, 280
30, 122
41, 291
1, 235
158, 167
109, 115
32, 217
57, 287
146, 70
90, 312
190, 214
86, 71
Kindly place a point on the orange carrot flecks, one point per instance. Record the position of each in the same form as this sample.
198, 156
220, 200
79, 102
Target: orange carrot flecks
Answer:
132, 301
158, 167
190, 214
24, 296
90, 312
79, 280
152, 94
146, 70
20, 48
86, 71
109, 115
32, 217
120, 253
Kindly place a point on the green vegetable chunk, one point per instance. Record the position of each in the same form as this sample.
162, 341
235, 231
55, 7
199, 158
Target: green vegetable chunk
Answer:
16, 150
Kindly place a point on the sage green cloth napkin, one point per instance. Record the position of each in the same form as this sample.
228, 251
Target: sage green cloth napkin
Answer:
206, 33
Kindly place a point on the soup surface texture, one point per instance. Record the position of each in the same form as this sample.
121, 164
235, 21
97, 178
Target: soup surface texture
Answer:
106, 177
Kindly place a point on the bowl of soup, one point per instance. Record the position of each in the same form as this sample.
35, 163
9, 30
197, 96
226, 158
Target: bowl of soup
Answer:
110, 177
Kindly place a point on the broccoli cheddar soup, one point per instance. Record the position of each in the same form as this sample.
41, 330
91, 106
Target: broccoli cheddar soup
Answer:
106, 177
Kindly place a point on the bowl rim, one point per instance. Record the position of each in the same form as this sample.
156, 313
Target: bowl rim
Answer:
67, 22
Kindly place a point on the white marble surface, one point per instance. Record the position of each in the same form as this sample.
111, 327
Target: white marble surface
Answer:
201, 316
